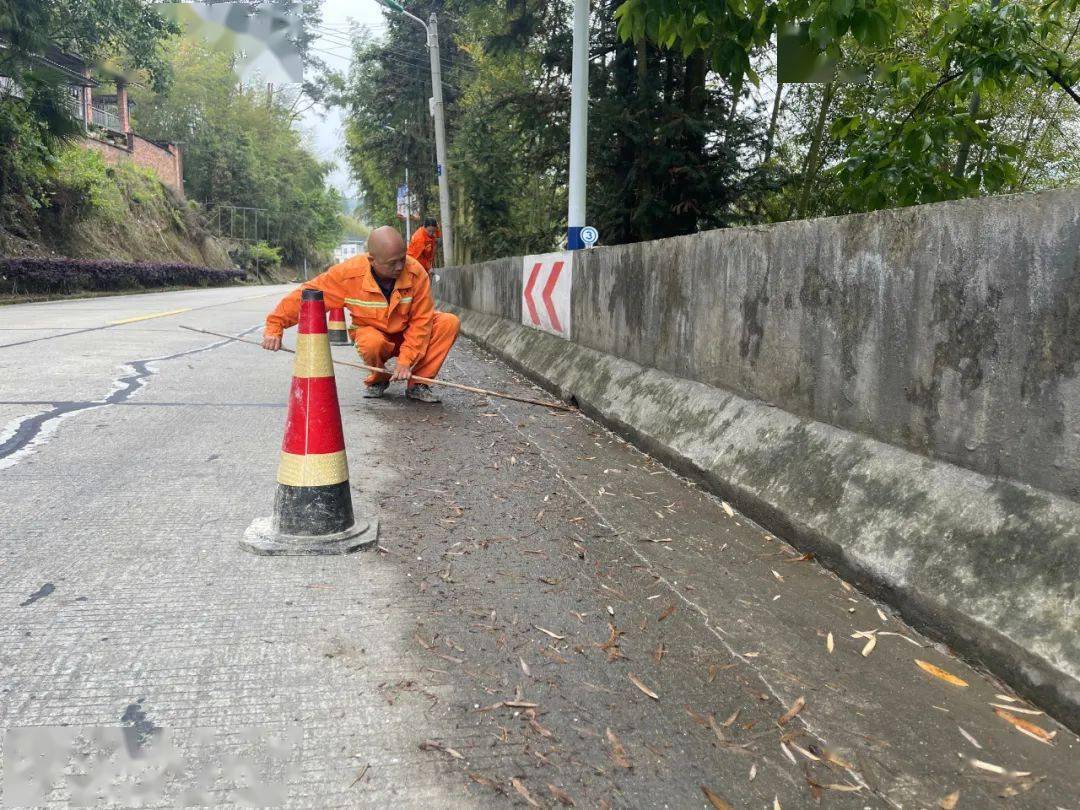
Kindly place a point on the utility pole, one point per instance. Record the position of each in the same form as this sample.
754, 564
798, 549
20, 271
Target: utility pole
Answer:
431, 30
579, 126
437, 111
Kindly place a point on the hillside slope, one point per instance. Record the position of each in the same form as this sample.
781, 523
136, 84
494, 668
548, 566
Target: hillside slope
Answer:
120, 212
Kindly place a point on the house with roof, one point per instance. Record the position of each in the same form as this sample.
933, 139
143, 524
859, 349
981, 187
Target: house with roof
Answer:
100, 103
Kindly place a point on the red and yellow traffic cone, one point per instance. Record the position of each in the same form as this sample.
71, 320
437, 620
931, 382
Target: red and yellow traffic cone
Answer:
313, 507
336, 328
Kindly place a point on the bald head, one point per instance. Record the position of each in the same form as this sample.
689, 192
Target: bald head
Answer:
386, 249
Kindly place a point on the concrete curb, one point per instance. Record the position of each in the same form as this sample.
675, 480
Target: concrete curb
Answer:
989, 566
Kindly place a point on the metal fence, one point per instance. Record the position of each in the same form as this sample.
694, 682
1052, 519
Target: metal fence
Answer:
105, 118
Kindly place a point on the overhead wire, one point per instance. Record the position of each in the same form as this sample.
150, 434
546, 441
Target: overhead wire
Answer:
443, 61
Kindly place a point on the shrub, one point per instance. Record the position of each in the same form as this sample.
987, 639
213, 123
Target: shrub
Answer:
60, 275
87, 186
257, 256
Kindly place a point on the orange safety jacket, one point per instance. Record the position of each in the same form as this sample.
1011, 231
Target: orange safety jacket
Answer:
408, 314
422, 247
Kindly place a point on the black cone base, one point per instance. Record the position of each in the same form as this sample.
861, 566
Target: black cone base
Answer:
338, 337
313, 510
310, 520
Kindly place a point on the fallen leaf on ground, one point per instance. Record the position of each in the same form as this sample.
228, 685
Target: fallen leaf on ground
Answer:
869, 648
795, 708
727, 508
949, 802
618, 753
716, 729
1029, 728
776, 574
1007, 699
611, 646
776, 803
939, 673
525, 667
753, 772
788, 754
969, 738
1017, 709
521, 789
434, 745
700, 719
802, 558
734, 716
554, 656
715, 800
881, 615
555, 636
360, 774
989, 767
646, 690
480, 779
658, 653
534, 724
842, 787
829, 642
836, 760
667, 612
561, 796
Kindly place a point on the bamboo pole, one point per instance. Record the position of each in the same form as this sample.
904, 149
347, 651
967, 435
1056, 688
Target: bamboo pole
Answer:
555, 405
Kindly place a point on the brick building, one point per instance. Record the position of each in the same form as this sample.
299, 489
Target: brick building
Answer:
107, 123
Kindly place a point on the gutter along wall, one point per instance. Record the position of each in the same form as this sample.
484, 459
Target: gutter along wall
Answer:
897, 391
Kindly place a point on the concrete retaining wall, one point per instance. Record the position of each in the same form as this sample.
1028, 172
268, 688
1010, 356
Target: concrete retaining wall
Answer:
897, 391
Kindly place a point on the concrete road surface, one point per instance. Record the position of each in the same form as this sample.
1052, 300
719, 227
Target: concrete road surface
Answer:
551, 618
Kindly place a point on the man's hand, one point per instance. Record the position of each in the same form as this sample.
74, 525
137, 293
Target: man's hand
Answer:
401, 373
271, 342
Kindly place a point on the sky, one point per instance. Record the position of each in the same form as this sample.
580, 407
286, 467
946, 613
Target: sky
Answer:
325, 128
322, 127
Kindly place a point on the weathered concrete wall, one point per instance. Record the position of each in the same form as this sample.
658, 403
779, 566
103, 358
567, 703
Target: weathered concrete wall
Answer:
898, 391
952, 330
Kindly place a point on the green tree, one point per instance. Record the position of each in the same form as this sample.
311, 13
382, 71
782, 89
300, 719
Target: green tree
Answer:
34, 118
242, 148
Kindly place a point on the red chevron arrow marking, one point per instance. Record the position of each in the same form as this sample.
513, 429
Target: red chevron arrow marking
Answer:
548, 289
528, 293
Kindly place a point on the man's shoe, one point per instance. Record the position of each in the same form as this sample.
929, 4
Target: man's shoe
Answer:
375, 390
422, 393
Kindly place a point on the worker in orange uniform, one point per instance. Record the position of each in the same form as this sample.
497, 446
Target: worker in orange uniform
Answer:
423, 243
393, 314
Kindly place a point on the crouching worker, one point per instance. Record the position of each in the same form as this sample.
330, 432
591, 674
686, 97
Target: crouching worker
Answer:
393, 314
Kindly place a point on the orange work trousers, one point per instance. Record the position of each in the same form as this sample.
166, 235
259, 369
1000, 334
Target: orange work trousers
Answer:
377, 347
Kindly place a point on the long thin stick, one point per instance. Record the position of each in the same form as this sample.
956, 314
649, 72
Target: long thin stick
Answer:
556, 405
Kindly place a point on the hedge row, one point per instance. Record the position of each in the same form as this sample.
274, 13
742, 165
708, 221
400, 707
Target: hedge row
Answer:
28, 276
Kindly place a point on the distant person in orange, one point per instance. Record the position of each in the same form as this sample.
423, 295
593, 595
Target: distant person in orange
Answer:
388, 294
423, 243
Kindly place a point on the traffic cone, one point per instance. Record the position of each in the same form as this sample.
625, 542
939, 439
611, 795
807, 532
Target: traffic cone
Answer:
313, 507
338, 335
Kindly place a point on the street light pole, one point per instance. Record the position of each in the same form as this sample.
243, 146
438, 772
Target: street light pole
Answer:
579, 126
437, 111
431, 30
